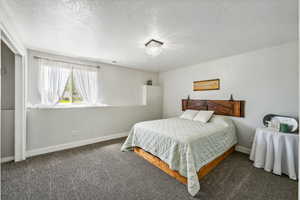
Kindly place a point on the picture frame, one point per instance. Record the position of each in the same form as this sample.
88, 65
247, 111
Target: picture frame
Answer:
213, 84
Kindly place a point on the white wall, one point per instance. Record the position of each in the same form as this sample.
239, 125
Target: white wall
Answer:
266, 79
52, 127
121, 87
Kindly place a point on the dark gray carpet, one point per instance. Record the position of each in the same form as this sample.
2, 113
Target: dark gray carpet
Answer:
101, 171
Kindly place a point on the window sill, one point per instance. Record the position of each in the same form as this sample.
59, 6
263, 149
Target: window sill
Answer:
59, 106
42, 107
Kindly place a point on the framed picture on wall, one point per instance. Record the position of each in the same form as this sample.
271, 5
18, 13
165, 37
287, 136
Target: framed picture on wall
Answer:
213, 84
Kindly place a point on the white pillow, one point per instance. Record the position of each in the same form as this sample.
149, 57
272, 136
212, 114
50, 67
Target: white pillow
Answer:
189, 114
204, 115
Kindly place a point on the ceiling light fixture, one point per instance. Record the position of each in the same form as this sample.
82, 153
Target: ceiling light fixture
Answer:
154, 47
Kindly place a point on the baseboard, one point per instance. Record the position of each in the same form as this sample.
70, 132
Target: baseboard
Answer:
70, 145
7, 159
242, 149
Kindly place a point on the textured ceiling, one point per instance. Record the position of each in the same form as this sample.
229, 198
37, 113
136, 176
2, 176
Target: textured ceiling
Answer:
192, 31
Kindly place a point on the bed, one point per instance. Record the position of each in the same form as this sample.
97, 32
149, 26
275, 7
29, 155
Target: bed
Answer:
184, 149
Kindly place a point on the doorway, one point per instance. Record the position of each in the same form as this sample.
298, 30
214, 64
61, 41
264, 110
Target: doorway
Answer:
7, 102
13, 97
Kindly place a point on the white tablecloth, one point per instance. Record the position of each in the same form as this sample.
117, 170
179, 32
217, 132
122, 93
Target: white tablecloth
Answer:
276, 152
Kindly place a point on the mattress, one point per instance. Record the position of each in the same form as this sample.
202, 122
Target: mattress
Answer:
185, 145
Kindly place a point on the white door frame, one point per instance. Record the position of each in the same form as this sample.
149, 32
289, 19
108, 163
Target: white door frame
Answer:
20, 93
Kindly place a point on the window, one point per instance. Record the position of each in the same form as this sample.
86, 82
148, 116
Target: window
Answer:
70, 94
67, 83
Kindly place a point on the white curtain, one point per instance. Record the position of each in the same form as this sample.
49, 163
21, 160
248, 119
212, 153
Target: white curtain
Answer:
53, 79
86, 83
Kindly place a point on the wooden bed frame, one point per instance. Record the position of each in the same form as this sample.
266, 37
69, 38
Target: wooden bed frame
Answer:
175, 174
221, 107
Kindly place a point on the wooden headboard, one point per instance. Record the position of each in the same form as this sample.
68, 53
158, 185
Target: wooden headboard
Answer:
221, 107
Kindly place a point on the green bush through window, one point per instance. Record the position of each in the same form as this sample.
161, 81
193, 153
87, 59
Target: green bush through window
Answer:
70, 94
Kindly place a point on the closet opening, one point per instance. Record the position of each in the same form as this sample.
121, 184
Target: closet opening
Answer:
13, 98
7, 102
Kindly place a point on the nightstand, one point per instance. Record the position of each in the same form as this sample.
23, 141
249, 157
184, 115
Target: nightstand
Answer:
276, 152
